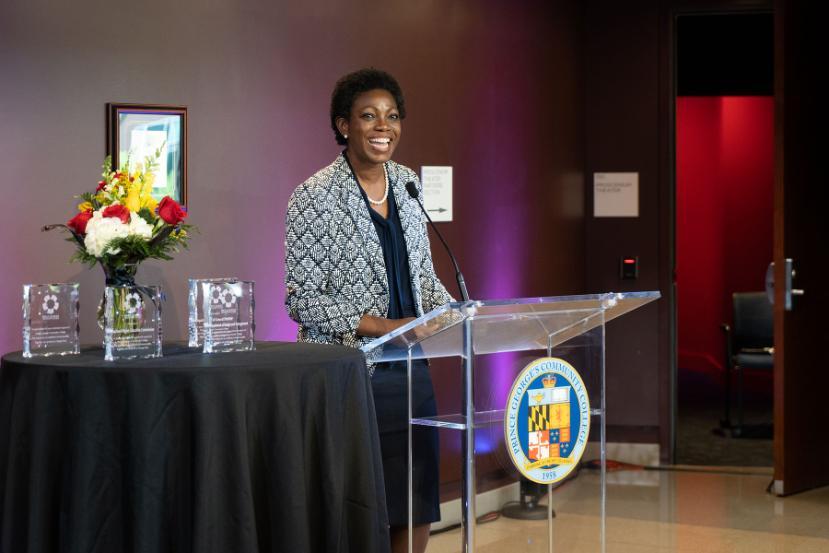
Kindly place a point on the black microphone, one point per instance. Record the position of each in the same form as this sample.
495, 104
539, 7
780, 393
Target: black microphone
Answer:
411, 188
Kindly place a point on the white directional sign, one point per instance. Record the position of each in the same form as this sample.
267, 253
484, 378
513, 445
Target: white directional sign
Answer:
437, 191
615, 194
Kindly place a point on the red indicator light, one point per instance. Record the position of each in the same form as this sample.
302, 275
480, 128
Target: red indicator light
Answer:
628, 267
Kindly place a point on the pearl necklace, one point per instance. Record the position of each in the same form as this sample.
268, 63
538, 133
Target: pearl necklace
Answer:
382, 200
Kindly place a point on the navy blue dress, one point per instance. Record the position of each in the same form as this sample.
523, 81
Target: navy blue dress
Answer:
389, 387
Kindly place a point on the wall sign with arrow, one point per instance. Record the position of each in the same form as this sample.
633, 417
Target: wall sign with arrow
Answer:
437, 191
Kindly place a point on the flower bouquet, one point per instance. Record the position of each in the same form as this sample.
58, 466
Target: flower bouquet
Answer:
120, 224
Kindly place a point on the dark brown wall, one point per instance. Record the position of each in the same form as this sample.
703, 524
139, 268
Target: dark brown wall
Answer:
622, 133
629, 89
801, 437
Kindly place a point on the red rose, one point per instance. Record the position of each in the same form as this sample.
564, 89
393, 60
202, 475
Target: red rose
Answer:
78, 222
101, 185
170, 211
118, 211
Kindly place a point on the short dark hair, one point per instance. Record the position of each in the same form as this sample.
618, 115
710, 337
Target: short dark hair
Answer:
352, 85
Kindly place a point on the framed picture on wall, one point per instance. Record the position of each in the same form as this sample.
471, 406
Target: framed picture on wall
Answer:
139, 130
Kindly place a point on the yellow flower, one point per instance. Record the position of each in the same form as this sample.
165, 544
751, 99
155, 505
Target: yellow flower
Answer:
149, 202
84, 206
133, 200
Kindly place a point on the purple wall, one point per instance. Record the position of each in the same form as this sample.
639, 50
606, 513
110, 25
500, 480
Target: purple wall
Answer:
492, 89
525, 99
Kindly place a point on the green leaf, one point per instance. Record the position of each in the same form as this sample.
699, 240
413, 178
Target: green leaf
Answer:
107, 167
147, 215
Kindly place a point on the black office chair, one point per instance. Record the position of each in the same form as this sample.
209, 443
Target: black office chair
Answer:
749, 344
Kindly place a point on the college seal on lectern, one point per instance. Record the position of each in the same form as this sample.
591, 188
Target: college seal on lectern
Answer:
547, 420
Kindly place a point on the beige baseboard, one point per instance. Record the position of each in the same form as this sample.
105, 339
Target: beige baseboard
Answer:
493, 500
636, 454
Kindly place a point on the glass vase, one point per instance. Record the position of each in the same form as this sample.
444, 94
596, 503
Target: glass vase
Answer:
120, 275
132, 327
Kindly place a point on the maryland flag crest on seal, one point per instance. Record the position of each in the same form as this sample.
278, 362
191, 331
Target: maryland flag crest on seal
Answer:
547, 420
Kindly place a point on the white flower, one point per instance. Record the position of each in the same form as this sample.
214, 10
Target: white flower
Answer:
101, 230
140, 227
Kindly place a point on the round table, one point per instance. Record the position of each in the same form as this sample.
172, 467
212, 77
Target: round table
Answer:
269, 450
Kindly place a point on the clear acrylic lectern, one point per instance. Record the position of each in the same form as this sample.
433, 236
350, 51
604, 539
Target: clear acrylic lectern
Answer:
494, 340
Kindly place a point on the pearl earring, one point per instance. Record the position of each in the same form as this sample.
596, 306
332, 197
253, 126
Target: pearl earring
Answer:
345, 136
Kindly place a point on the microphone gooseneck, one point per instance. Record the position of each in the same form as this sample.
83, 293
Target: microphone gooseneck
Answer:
411, 188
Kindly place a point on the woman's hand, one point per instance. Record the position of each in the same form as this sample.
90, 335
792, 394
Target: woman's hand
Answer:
378, 326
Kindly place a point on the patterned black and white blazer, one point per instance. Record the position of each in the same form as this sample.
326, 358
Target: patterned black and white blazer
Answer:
334, 268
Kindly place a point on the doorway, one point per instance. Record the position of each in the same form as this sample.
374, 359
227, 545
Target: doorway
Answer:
724, 159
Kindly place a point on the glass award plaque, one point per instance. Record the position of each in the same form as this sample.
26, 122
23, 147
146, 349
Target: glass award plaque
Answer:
50, 319
132, 327
195, 319
228, 308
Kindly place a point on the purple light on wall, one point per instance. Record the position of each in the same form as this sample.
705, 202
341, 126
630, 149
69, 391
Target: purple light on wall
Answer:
486, 442
503, 273
282, 328
272, 321
275, 325
503, 143
505, 263
503, 235
6, 339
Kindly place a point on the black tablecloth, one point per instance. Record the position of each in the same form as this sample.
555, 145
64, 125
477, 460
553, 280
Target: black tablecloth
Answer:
272, 450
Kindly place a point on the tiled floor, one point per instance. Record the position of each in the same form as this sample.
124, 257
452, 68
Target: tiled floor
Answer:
665, 511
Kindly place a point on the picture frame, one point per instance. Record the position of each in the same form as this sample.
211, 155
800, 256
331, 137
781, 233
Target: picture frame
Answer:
137, 130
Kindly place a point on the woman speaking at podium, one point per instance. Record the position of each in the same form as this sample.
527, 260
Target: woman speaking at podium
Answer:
358, 265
